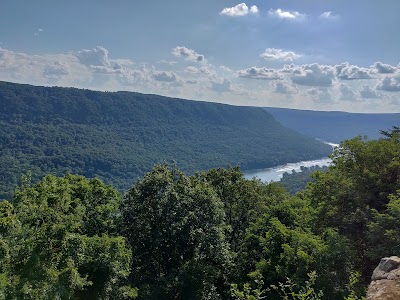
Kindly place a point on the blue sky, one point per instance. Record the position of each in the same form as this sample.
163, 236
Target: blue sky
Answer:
309, 54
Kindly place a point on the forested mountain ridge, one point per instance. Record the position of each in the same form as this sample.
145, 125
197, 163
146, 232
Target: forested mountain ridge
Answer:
334, 126
118, 136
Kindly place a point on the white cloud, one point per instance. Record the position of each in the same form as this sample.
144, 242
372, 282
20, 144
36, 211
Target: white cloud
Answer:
313, 91
312, 75
94, 57
254, 9
288, 15
346, 93
63, 69
56, 69
201, 71
345, 71
367, 93
169, 63
320, 95
188, 54
165, 76
221, 85
327, 15
225, 69
382, 68
283, 87
279, 54
389, 84
192, 69
239, 10
260, 73
290, 69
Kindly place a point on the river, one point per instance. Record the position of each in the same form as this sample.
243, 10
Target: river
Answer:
276, 173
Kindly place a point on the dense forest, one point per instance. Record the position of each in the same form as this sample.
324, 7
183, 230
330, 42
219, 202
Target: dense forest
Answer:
334, 126
210, 235
296, 181
119, 136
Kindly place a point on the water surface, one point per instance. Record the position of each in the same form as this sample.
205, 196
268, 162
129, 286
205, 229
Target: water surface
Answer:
276, 173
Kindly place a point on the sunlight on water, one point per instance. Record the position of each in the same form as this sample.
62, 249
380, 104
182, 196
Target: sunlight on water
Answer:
276, 173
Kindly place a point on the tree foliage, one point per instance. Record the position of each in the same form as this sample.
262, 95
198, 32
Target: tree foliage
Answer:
59, 241
211, 235
174, 224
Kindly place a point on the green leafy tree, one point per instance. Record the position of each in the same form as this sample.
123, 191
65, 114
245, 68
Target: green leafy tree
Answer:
243, 201
384, 231
7, 224
56, 252
281, 245
354, 193
175, 226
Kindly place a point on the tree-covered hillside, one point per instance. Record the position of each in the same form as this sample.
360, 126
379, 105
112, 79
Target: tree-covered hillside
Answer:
296, 181
334, 126
119, 136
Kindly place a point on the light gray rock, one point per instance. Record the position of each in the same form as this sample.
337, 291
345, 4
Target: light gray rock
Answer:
383, 270
385, 283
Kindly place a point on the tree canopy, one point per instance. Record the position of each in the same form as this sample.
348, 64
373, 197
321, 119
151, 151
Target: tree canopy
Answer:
209, 235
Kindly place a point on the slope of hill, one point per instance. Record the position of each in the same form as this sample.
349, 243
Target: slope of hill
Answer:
119, 136
334, 126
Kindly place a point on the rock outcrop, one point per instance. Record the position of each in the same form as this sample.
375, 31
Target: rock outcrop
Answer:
385, 281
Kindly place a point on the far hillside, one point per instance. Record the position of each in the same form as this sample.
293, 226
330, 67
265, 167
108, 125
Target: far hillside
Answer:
121, 135
334, 126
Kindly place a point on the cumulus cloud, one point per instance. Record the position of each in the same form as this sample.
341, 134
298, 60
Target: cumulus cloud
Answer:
313, 91
291, 69
63, 69
382, 68
312, 75
201, 71
225, 69
320, 95
253, 9
389, 84
56, 69
165, 76
188, 54
191, 81
221, 85
288, 15
367, 93
346, 93
283, 87
279, 54
94, 57
328, 15
260, 73
121, 69
239, 10
170, 63
345, 71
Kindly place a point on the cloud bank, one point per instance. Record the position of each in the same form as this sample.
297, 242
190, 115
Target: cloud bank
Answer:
377, 87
